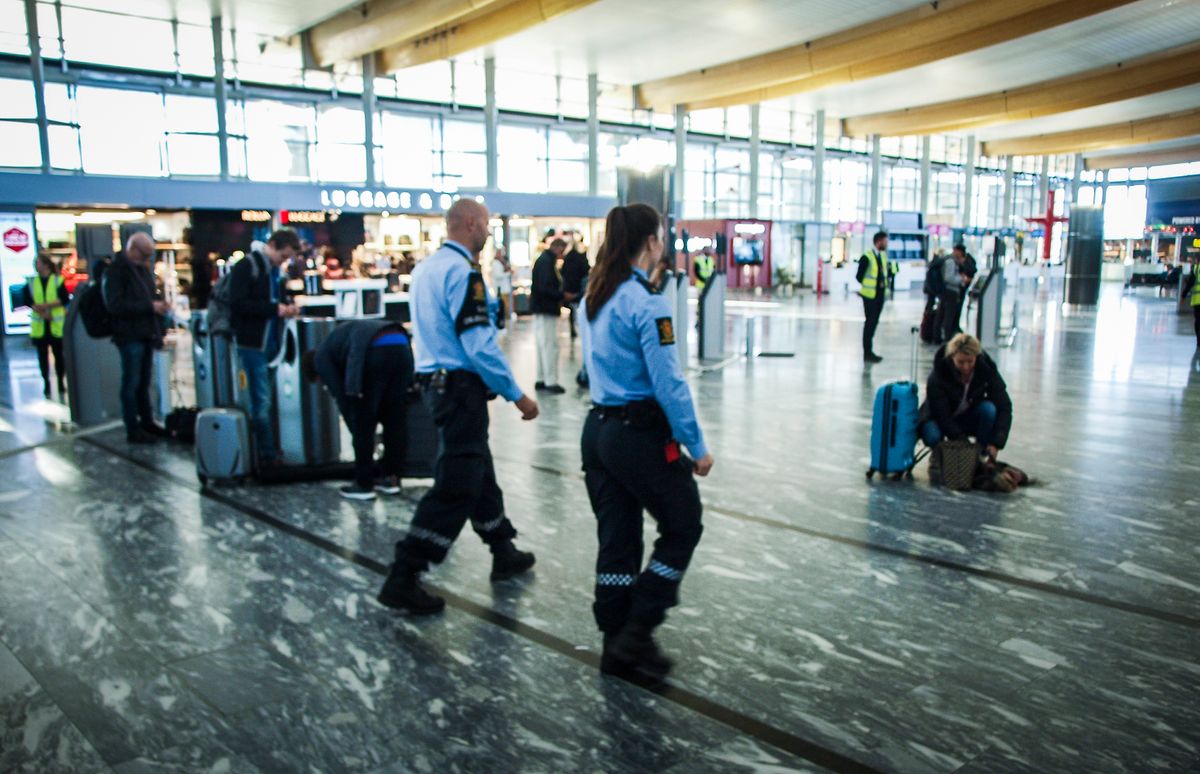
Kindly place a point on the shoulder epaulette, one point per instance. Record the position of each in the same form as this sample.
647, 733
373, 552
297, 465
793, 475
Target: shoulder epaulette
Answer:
647, 285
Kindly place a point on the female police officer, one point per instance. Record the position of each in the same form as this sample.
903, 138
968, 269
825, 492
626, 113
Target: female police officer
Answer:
631, 456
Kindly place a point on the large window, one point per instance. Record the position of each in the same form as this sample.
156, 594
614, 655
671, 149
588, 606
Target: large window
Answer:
463, 156
19, 146
901, 188
847, 189
522, 164
280, 137
341, 156
121, 132
192, 146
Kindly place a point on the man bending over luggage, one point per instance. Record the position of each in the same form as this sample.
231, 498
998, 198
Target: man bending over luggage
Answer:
368, 367
966, 397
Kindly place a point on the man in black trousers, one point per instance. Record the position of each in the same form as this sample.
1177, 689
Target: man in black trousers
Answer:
873, 275
368, 367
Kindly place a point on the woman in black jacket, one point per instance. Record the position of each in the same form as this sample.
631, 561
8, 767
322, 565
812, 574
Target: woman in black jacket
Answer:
966, 397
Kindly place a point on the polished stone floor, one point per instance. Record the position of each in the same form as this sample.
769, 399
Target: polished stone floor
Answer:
827, 623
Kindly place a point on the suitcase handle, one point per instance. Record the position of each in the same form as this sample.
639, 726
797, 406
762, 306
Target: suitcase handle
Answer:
916, 332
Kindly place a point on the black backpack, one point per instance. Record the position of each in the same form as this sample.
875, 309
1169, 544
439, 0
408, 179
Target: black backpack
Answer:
94, 312
935, 283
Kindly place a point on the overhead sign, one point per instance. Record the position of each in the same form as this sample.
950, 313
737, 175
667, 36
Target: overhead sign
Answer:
16, 266
301, 216
400, 201
256, 216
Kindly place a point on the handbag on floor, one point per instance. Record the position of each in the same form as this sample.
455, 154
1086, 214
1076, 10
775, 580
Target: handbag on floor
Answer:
957, 461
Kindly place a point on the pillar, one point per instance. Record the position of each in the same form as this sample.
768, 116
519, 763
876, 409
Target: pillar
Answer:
1006, 211
926, 175
219, 95
680, 158
368, 106
37, 74
490, 123
755, 151
876, 170
968, 209
593, 135
819, 168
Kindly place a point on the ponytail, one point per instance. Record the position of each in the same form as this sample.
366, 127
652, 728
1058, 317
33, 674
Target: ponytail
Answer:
625, 233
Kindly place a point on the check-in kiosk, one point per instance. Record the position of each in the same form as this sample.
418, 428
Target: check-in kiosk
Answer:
93, 370
711, 308
306, 415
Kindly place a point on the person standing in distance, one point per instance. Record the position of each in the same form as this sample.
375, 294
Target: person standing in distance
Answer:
545, 301
459, 368
632, 462
873, 275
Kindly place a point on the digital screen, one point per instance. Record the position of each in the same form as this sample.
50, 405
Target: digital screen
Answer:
747, 252
16, 266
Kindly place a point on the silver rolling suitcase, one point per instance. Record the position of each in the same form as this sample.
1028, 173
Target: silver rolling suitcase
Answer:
223, 447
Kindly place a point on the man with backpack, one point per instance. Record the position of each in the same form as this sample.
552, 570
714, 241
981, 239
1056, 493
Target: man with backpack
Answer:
135, 320
257, 307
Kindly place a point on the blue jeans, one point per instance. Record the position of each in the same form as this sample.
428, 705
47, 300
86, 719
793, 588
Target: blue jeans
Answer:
979, 422
137, 359
258, 383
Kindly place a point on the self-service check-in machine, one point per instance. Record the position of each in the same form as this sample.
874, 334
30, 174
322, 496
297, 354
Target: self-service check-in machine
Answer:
711, 308
306, 416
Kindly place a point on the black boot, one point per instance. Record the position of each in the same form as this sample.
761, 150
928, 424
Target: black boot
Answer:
403, 591
635, 649
508, 562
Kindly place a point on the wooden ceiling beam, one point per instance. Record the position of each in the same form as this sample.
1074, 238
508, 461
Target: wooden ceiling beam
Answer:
1148, 158
1157, 72
475, 30
375, 24
1171, 126
909, 39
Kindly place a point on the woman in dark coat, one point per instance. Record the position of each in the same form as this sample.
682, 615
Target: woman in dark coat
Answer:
966, 397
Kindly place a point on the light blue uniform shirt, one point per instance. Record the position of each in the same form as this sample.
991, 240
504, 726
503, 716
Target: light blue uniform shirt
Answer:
453, 321
630, 354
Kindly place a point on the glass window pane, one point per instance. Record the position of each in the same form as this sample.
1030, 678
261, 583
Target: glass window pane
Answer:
408, 151
568, 145
568, 177
341, 125
124, 41
64, 147
237, 158
464, 170
122, 131
16, 99
463, 136
19, 146
193, 154
341, 163
427, 83
196, 50
58, 103
191, 114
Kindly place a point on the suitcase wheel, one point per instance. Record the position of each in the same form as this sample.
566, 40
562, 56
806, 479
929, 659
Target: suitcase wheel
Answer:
897, 476
871, 474
203, 480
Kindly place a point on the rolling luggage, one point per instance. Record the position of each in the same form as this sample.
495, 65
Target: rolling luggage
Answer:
223, 448
421, 454
894, 426
928, 329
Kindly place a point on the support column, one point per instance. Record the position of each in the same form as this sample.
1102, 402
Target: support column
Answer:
1044, 181
368, 103
593, 135
926, 175
969, 184
1006, 211
680, 158
819, 167
37, 74
1076, 178
876, 170
219, 95
490, 121
755, 151
1102, 184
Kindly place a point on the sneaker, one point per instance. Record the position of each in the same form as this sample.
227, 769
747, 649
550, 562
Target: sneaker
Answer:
553, 389
356, 492
403, 591
635, 649
508, 562
539, 385
871, 357
388, 485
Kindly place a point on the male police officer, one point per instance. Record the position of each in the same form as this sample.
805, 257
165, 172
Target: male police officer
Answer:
872, 274
459, 367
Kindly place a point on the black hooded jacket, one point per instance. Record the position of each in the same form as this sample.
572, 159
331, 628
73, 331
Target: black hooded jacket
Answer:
944, 391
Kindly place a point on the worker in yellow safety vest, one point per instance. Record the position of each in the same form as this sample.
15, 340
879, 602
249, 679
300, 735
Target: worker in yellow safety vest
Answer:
47, 297
1196, 300
893, 270
705, 266
873, 271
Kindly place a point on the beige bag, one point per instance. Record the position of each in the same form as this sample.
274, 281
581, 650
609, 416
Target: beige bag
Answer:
957, 461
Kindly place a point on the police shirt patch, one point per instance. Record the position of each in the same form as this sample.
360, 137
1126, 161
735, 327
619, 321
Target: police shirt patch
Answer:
474, 310
666, 331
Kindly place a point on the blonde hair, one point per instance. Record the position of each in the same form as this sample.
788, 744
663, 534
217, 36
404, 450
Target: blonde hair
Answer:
966, 344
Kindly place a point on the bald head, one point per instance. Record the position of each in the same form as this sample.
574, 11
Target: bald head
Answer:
139, 248
467, 224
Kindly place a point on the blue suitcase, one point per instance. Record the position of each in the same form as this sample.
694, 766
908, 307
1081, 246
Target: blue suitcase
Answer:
894, 426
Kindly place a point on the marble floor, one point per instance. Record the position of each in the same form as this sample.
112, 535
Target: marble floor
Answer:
826, 624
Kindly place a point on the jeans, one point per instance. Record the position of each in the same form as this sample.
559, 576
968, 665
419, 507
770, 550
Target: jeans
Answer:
137, 358
258, 383
979, 422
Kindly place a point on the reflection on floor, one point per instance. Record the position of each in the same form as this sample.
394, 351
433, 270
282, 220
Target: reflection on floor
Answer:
826, 623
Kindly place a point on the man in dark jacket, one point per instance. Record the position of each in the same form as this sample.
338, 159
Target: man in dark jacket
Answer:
545, 302
575, 267
966, 397
136, 311
259, 306
367, 365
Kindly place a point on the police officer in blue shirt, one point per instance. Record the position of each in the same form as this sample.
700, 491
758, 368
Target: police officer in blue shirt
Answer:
459, 368
632, 461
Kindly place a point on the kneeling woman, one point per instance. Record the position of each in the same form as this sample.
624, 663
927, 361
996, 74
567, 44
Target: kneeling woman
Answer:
966, 397
642, 412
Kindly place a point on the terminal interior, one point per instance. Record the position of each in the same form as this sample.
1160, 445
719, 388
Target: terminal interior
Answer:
152, 621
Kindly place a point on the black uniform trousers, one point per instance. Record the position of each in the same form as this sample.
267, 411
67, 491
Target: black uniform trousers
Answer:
1196, 312
45, 345
386, 381
626, 470
872, 309
464, 486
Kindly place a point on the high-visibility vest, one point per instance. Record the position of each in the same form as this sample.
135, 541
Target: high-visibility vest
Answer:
1196, 285
705, 266
870, 281
44, 295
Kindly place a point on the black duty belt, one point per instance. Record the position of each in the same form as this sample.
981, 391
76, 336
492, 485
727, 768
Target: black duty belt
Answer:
642, 412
